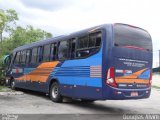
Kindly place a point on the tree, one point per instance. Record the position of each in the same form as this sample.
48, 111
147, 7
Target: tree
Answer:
17, 35
3, 20
21, 36
8, 20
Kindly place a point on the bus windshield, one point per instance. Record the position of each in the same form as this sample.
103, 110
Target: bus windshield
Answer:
131, 37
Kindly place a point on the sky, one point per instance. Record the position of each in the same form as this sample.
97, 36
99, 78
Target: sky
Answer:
66, 16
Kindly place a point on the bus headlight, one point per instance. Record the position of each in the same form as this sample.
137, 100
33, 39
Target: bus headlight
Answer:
7, 81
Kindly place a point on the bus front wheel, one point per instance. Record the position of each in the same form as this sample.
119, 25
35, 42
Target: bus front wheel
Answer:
13, 85
55, 93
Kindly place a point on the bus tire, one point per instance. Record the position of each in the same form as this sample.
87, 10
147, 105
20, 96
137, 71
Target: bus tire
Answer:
55, 95
13, 85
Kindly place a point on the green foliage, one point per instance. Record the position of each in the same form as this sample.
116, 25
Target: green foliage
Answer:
3, 20
16, 35
1, 71
21, 36
8, 20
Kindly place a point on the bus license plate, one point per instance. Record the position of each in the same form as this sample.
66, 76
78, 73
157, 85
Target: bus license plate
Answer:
134, 94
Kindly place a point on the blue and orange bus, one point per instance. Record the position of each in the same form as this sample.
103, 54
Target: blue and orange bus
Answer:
106, 62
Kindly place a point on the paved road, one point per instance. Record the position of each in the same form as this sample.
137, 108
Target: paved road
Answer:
33, 103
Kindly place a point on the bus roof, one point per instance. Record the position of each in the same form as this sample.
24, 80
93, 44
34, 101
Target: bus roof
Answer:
58, 38
62, 37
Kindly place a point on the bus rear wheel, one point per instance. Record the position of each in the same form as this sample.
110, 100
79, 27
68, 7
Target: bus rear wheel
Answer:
55, 93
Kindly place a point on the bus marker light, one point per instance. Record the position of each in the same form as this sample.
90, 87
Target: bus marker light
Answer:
97, 90
117, 92
122, 85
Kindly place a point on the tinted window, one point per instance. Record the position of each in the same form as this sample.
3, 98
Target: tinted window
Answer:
34, 55
98, 39
88, 45
95, 39
46, 53
72, 48
92, 41
83, 42
39, 54
17, 58
63, 50
23, 57
131, 37
27, 56
53, 51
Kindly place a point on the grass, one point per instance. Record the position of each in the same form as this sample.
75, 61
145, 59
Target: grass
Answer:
4, 89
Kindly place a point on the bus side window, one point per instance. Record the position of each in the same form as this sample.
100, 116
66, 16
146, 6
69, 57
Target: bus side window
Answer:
28, 56
63, 50
95, 39
98, 39
34, 55
82, 47
53, 51
16, 61
23, 57
83, 42
13, 58
88, 45
94, 42
72, 48
46, 52
40, 54
20, 57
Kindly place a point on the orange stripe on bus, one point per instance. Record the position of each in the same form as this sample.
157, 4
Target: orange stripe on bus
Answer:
134, 75
48, 64
34, 76
132, 78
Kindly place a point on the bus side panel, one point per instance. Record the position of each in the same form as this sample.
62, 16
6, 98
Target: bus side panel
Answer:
34, 77
29, 85
77, 77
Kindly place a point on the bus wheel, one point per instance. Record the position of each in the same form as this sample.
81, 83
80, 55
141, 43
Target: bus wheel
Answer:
13, 85
55, 93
